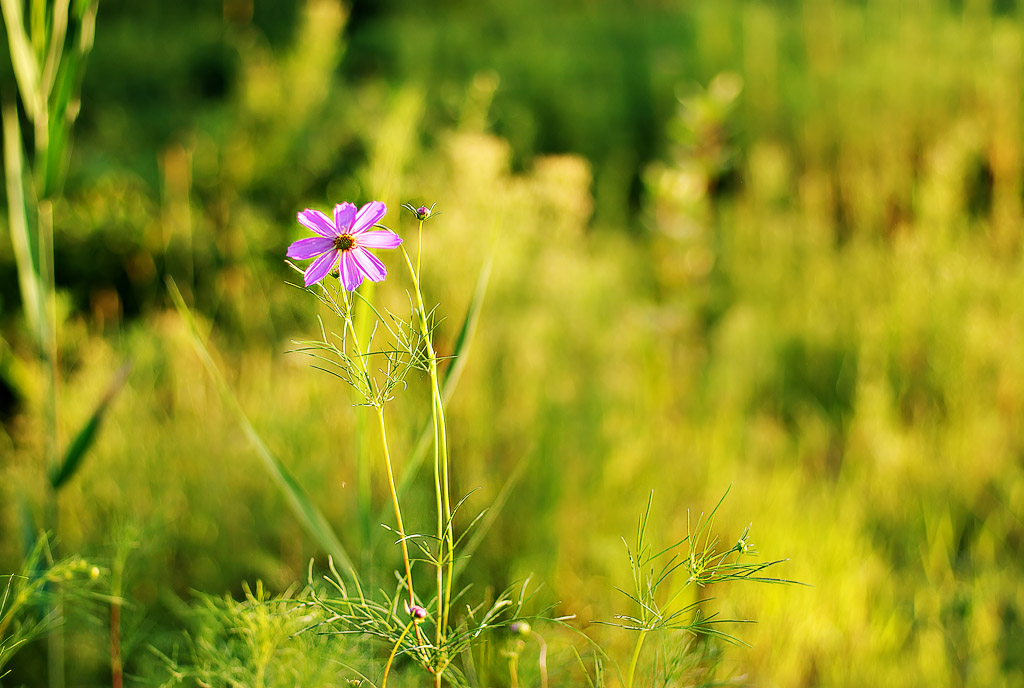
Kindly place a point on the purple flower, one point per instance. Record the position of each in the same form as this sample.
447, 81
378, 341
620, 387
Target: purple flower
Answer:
346, 239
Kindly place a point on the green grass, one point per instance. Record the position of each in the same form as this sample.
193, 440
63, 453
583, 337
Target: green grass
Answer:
818, 303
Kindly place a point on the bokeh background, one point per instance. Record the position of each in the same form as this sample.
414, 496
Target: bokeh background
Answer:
775, 246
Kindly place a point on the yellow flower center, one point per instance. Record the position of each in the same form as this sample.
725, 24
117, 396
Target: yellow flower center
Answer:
343, 242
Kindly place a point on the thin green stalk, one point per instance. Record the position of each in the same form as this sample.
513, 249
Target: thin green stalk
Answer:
442, 433
439, 631
362, 325
379, 405
394, 500
419, 251
636, 658
48, 336
441, 483
394, 651
349, 323
48, 325
364, 489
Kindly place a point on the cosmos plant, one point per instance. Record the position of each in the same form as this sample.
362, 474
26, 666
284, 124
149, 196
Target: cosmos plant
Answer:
420, 620
344, 241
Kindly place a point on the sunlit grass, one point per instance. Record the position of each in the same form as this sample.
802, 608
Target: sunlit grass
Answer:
822, 308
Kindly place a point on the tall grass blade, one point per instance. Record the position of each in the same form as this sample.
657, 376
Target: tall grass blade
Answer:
28, 531
311, 517
55, 50
482, 528
28, 269
63, 80
86, 436
466, 332
26, 70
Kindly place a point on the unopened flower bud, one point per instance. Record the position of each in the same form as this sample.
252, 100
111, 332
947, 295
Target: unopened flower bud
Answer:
421, 212
417, 613
520, 627
94, 572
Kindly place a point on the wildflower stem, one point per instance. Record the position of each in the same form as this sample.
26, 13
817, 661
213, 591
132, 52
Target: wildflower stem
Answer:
384, 445
379, 405
444, 515
394, 500
394, 651
419, 253
636, 657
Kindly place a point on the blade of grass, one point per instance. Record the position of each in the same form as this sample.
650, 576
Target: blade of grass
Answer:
311, 517
55, 51
69, 45
480, 532
26, 70
76, 451
28, 530
28, 271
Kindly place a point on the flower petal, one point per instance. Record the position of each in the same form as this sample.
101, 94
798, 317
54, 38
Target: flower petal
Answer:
382, 239
318, 222
319, 268
369, 264
310, 247
351, 275
368, 216
344, 213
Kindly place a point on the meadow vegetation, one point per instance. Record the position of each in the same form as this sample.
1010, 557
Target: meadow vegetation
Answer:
769, 249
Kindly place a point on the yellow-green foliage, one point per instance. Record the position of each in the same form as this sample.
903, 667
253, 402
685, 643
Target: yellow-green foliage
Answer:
824, 308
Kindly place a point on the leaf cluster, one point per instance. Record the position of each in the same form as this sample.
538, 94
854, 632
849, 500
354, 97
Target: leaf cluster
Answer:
375, 374
698, 557
28, 607
255, 641
350, 611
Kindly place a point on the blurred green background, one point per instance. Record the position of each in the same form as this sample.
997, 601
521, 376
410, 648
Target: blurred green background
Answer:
773, 245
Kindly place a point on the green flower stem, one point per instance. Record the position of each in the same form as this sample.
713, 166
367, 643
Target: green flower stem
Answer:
387, 453
444, 531
419, 253
394, 500
636, 658
394, 651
